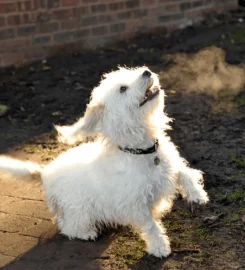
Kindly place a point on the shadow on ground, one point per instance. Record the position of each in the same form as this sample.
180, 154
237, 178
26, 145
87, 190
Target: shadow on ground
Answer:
60, 251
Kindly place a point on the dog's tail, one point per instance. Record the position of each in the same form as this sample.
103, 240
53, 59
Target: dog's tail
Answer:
24, 170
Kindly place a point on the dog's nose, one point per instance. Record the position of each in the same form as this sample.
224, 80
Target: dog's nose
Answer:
146, 73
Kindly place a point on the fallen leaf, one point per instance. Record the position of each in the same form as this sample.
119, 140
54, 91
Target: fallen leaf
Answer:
3, 109
212, 219
58, 113
78, 86
243, 218
45, 68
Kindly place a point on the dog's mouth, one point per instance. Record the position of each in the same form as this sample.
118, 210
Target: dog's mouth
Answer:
150, 93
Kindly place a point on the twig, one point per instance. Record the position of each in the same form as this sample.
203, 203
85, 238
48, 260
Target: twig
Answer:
192, 250
101, 258
115, 50
10, 119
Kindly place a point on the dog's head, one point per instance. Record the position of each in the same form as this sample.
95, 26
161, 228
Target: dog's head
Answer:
125, 107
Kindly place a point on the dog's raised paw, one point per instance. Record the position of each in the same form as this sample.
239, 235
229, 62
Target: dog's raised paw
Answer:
200, 197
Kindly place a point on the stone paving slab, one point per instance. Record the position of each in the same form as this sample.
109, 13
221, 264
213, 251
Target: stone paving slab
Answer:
24, 219
5, 259
21, 189
23, 206
13, 244
24, 225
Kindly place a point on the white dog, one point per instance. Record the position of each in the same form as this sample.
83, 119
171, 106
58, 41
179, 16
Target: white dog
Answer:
129, 175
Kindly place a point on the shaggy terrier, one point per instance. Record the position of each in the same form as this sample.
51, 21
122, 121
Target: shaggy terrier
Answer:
130, 174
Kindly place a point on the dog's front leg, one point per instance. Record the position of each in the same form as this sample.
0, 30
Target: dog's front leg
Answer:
154, 234
191, 185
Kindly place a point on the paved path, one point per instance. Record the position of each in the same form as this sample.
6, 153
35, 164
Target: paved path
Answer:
29, 239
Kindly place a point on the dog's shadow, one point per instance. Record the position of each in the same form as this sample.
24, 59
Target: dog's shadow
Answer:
59, 252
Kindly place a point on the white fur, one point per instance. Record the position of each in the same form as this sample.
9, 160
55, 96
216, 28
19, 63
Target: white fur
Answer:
96, 183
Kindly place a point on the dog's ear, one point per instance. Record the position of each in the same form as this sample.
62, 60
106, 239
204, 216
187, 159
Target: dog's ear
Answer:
87, 126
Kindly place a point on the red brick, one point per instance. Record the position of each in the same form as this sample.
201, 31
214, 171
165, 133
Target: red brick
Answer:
14, 20
116, 6
83, 33
64, 37
185, 6
118, 27
132, 3
78, 11
42, 3
53, 3
35, 53
26, 18
98, 8
47, 27
124, 15
42, 40
148, 2
28, 5
8, 7
105, 18
42, 17
12, 58
61, 14
165, 1
100, 30
69, 24
193, 13
172, 7
140, 13
170, 17
2, 21
86, 21
69, 2
15, 43
197, 4
7, 33
26, 30
89, 1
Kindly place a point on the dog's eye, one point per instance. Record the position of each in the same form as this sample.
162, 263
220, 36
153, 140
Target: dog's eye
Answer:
123, 89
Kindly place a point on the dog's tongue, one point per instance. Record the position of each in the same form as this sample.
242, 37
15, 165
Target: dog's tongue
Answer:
150, 91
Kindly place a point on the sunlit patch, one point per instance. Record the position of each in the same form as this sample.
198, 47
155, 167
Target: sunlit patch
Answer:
205, 71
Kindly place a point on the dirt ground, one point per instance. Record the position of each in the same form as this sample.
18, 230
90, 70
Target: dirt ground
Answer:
202, 69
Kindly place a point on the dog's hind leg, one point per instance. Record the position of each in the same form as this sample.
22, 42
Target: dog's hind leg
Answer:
191, 185
154, 234
78, 225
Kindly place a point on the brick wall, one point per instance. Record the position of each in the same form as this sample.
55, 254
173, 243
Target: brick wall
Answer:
35, 29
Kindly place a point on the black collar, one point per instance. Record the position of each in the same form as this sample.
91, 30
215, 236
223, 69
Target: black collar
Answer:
138, 151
